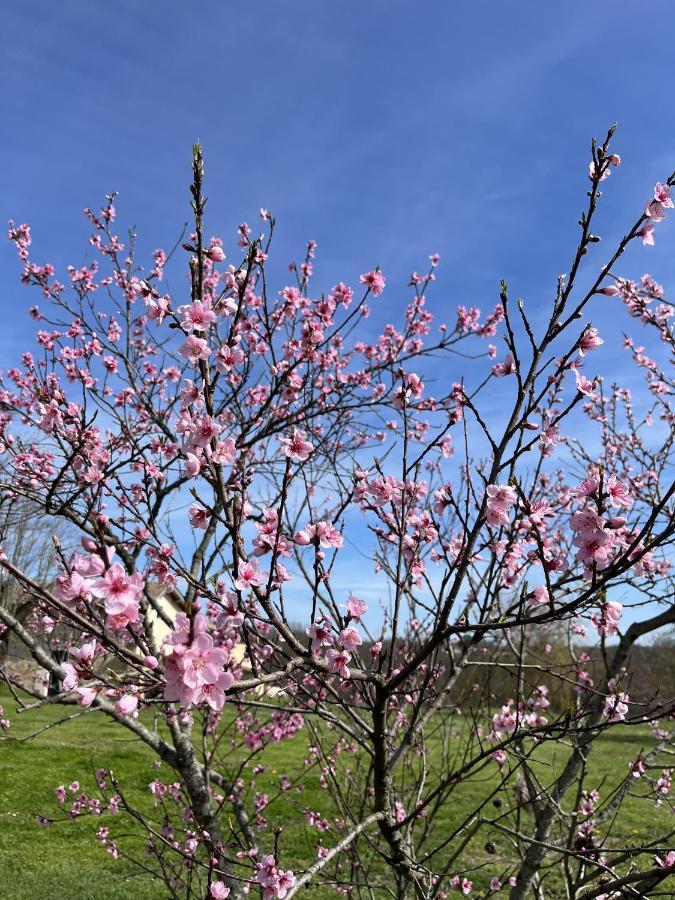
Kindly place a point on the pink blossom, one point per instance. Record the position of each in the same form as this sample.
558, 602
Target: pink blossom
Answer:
502, 495
550, 436
198, 316
249, 576
337, 662
655, 212
508, 367
203, 662
374, 281
228, 357
127, 705
349, 639
619, 494
356, 608
590, 340
323, 533
662, 195
584, 385
647, 234
216, 254
195, 349
199, 517
616, 707
588, 523
321, 635
213, 693
540, 596
219, 890
193, 465
296, 447
119, 591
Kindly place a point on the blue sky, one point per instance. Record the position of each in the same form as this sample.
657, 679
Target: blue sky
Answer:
386, 130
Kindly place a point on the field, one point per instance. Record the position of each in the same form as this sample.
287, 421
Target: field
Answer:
66, 861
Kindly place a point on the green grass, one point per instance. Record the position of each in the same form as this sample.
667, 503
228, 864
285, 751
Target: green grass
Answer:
66, 860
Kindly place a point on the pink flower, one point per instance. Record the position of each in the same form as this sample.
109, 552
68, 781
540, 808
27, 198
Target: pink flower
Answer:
118, 590
296, 447
637, 769
587, 523
590, 340
323, 533
616, 707
218, 890
592, 550
199, 517
249, 576
495, 884
647, 234
285, 881
667, 861
202, 663
497, 515
337, 662
584, 385
655, 211
508, 367
501, 495
198, 317
374, 281
321, 634
228, 357
349, 639
612, 614
225, 452
550, 436
126, 705
193, 465
540, 596
216, 254
619, 494
356, 608
195, 349
662, 195
213, 693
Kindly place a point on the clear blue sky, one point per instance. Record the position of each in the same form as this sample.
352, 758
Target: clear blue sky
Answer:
384, 129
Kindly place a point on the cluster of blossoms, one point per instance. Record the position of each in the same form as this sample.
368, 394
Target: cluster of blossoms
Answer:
598, 537
616, 703
608, 619
523, 715
194, 667
663, 786
273, 880
338, 648
500, 499
587, 806
655, 212
95, 577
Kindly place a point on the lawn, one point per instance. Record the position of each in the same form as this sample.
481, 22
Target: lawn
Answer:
66, 860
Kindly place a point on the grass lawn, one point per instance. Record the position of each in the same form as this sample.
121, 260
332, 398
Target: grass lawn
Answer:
66, 861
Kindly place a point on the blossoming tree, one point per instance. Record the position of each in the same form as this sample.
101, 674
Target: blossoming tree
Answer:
220, 450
